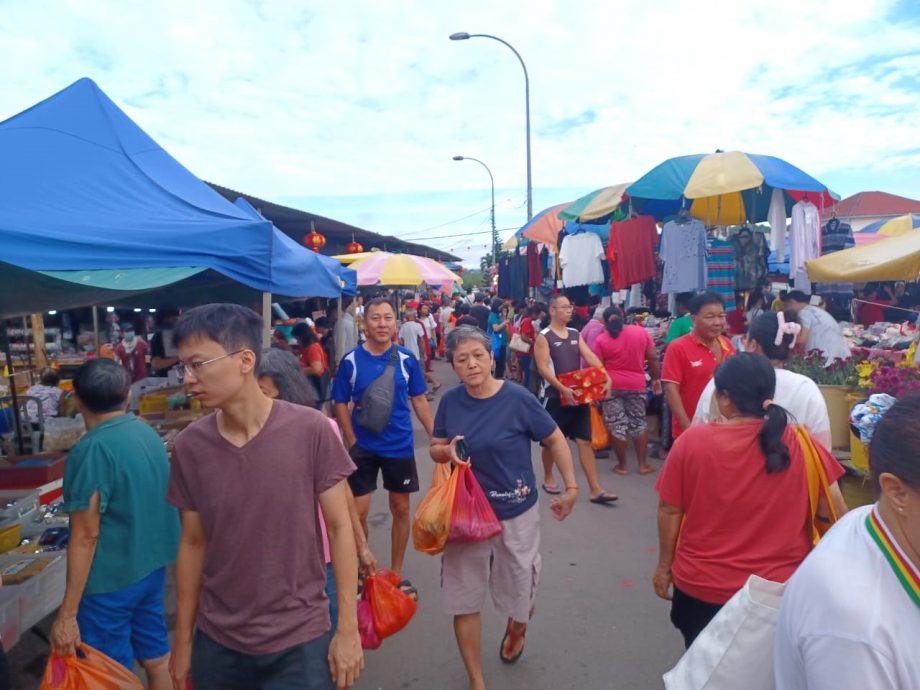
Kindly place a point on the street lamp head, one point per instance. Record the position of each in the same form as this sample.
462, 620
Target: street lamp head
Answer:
460, 36
458, 158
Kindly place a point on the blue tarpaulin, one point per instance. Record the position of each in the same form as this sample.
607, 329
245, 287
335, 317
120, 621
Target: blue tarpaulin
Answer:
85, 188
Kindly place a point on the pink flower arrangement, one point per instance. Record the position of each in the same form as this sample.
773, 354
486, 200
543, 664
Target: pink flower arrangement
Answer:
895, 381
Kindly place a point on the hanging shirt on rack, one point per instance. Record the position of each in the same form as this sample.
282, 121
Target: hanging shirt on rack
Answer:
504, 277
631, 251
683, 251
534, 270
720, 271
806, 242
834, 237
751, 254
580, 258
776, 217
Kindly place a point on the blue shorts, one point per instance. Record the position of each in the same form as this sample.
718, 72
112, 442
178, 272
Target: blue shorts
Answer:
127, 624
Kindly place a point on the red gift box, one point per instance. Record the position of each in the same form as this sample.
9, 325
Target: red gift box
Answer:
587, 384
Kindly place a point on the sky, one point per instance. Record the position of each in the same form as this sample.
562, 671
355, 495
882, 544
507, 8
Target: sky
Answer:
354, 110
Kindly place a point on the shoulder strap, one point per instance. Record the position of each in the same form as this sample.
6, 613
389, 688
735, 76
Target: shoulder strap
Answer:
818, 484
394, 355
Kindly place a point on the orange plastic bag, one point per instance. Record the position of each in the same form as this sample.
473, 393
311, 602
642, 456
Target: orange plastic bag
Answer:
392, 608
600, 436
369, 638
88, 669
472, 518
431, 525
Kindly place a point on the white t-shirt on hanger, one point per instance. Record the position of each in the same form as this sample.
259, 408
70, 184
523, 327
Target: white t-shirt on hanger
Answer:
806, 242
580, 257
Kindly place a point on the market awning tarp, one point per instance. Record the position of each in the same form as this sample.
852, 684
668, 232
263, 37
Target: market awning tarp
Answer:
327, 274
724, 188
85, 188
888, 227
895, 258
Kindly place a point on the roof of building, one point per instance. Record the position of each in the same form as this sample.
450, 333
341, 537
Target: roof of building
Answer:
296, 223
873, 204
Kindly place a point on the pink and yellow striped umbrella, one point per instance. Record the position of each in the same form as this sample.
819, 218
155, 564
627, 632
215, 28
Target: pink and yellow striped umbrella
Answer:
386, 269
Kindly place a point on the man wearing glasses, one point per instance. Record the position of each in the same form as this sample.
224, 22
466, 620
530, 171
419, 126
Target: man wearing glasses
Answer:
250, 604
558, 350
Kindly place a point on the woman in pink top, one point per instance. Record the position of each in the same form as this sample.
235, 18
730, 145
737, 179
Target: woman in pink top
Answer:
625, 350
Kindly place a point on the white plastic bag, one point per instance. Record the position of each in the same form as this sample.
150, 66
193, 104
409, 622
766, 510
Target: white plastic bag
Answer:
736, 649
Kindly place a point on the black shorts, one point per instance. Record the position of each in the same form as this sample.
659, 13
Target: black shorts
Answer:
400, 475
574, 422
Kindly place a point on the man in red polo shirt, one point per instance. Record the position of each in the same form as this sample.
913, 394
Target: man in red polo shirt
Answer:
691, 360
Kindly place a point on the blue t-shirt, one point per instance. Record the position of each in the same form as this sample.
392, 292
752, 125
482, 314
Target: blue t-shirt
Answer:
499, 339
498, 432
357, 370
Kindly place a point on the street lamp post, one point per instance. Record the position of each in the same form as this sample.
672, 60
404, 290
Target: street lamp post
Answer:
495, 247
463, 36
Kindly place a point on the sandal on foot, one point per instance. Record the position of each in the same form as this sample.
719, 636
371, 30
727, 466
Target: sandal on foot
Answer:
604, 498
406, 587
622, 471
647, 469
551, 489
514, 639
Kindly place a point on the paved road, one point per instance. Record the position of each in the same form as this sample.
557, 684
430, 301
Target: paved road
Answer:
598, 625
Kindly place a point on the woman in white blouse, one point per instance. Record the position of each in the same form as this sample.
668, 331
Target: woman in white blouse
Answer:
774, 335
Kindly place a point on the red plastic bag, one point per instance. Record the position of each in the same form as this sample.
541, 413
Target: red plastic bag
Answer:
88, 669
431, 525
472, 518
392, 609
369, 638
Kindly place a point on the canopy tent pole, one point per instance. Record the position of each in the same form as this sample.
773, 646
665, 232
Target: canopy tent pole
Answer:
266, 319
96, 329
25, 339
11, 379
38, 341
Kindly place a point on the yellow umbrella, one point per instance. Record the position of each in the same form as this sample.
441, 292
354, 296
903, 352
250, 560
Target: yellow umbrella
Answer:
895, 258
351, 258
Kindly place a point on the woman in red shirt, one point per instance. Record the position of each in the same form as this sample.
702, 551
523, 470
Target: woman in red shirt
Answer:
528, 334
737, 496
313, 360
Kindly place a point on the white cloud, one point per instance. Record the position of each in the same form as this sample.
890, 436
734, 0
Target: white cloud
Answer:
320, 100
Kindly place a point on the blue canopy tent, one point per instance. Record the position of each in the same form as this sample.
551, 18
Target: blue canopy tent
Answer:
286, 252
85, 189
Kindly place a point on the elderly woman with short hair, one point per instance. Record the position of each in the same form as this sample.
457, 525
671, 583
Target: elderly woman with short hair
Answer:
498, 420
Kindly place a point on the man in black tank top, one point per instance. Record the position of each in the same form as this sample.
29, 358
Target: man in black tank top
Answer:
559, 349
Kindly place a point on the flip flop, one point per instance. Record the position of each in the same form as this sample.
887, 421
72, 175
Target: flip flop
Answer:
622, 471
551, 489
514, 638
648, 469
603, 499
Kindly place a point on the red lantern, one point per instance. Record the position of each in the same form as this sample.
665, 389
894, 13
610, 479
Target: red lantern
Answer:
314, 240
354, 248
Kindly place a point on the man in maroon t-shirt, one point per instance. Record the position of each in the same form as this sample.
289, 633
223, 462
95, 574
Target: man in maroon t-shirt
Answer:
691, 360
251, 610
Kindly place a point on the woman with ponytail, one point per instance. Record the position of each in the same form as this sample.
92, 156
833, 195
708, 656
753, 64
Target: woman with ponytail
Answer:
625, 351
737, 496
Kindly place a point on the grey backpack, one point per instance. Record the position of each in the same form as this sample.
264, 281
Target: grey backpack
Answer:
376, 404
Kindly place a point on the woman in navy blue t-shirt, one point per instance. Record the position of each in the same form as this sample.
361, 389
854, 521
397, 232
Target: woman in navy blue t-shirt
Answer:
498, 421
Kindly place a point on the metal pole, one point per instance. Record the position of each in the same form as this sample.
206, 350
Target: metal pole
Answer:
495, 243
96, 329
266, 319
11, 379
464, 36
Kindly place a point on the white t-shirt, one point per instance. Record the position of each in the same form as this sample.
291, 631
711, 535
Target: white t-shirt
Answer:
409, 333
846, 622
798, 394
580, 258
824, 334
444, 318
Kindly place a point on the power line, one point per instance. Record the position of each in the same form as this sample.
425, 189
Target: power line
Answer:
457, 220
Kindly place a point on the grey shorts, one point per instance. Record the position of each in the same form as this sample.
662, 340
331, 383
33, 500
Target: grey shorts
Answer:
624, 414
507, 566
